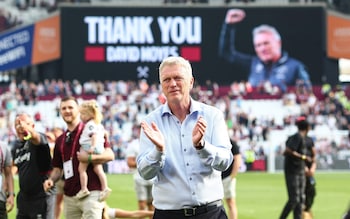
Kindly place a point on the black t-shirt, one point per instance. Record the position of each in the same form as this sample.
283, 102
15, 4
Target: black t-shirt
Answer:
234, 151
33, 163
309, 146
294, 164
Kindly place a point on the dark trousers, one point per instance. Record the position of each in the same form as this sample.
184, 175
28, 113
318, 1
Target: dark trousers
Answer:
31, 208
296, 187
216, 213
3, 212
310, 192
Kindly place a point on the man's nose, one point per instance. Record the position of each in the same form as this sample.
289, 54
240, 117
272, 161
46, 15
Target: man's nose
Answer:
172, 82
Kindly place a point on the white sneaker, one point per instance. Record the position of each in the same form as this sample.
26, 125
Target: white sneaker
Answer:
104, 194
82, 194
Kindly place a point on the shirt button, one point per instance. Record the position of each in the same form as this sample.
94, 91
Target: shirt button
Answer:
185, 150
187, 164
190, 178
193, 193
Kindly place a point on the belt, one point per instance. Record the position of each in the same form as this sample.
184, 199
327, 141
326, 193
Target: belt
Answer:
195, 210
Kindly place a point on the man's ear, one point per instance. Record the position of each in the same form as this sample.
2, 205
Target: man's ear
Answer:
192, 82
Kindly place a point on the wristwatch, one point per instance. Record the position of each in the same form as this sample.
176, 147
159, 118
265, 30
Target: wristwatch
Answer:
200, 145
11, 193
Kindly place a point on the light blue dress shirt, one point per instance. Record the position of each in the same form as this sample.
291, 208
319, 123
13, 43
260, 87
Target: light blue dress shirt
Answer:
183, 175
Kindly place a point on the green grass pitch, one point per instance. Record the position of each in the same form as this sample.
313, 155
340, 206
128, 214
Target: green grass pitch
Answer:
259, 195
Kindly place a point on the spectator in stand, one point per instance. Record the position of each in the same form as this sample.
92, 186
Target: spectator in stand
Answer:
77, 88
184, 146
7, 20
270, 63
3, 20
229, 181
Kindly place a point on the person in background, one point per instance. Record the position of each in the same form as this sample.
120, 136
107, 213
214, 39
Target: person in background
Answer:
229, 181
92, 141
249, 157
7, 193
294, 169
310, 168
346, 214
183, 146
113, 213
59, 198
66, 160
270, 64
51, 137
31, 156
142, 187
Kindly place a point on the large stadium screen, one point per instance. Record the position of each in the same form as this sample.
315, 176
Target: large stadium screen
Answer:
113, 43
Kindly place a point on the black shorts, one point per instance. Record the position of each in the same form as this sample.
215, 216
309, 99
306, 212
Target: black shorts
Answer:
3, 211
31, 207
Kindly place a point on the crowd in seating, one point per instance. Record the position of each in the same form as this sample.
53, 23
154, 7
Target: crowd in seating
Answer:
251, 121
8, 20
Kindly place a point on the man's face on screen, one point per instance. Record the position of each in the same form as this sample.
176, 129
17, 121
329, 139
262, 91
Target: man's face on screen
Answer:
267, 47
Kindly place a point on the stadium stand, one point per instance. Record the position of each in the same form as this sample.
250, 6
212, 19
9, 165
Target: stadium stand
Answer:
262, 124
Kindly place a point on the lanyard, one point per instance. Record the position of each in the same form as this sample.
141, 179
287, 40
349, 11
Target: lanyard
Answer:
75, 140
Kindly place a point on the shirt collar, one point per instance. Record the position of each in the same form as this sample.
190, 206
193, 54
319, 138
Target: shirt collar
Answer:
284, 58
194, 107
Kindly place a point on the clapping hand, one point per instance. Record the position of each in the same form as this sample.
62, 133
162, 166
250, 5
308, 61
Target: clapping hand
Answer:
199, 130
154, 134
